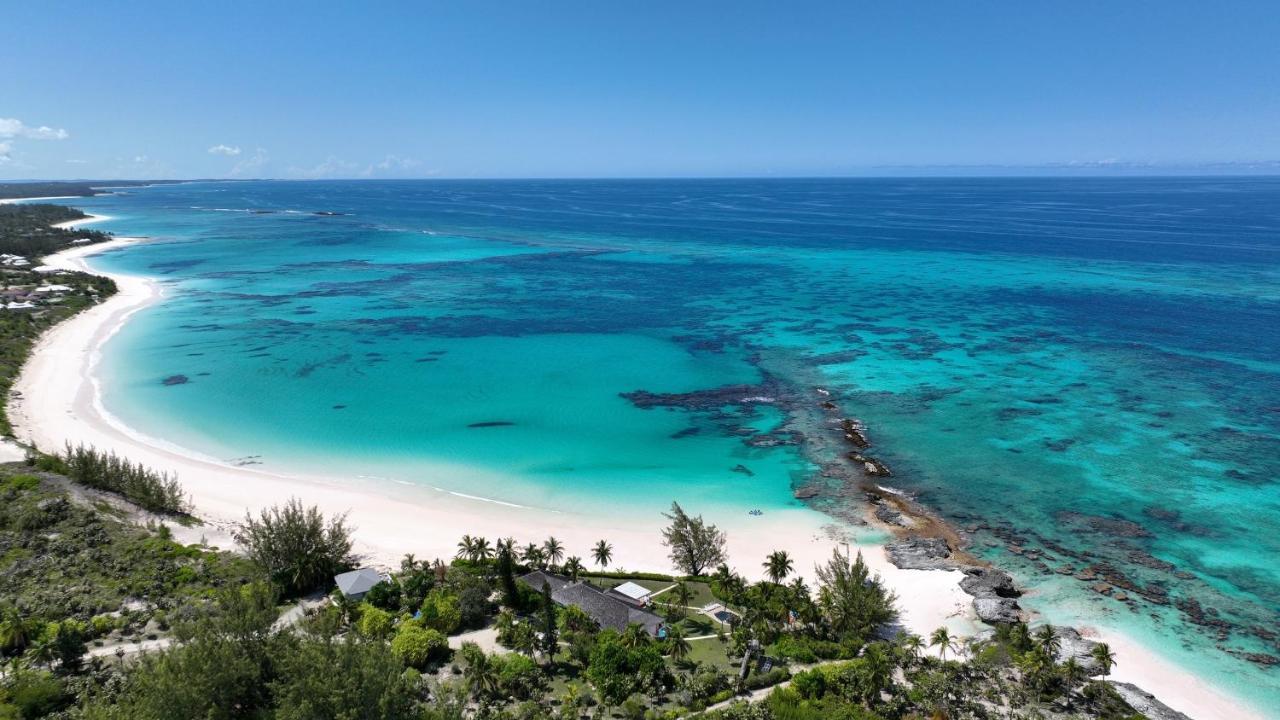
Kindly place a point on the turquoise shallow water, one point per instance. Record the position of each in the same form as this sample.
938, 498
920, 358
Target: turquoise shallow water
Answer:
1085, 374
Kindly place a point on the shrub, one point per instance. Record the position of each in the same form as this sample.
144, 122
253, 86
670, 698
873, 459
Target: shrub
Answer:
810, 684
150, 490
755, 681
299, 549
809, 650
20, 483
34, 694
417, 646
519, 676
374, 622
440, 612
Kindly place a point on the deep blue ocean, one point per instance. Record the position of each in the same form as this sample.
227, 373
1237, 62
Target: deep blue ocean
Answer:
1082, 373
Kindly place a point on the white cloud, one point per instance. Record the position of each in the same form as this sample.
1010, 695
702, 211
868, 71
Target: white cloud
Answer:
228, 150
331, 167
15, 128
141, 158
6, 148
251, 164
395, 162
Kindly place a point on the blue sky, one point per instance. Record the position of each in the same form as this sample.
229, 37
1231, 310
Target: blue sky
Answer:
468, 88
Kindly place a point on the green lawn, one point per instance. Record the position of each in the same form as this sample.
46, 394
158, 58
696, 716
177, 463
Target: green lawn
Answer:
712, 652
606, 583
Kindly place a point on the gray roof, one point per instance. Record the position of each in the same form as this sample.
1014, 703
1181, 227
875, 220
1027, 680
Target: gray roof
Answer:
358, 582
537, 579
608, 611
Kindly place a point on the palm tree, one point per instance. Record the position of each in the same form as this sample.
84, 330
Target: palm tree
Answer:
941, 639
677, 646
440, 569
554, 550
506, 543
532, 555
466, 548
683, 593
572, 567
1101, 654
603, 553
482, 551
911, 644
480, 674
1047, 638
1072, 673
635, 636
408, 563
778, 566
15, 633
799, 589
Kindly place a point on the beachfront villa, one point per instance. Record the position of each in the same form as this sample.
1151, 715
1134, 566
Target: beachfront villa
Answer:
615, 608
356, 584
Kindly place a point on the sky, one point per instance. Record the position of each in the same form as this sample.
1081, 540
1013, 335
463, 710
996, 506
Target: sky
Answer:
472, 88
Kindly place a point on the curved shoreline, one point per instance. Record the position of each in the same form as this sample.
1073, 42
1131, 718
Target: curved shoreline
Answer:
60, 402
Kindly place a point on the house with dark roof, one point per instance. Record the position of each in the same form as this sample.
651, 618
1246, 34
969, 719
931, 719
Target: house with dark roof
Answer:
609, 611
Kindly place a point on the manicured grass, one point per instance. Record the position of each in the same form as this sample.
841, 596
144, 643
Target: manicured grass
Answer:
607, 583
712, 652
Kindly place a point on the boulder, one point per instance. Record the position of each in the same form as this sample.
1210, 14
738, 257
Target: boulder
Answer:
997, 610
920, 554
1146, 703
982, 582
1074, 646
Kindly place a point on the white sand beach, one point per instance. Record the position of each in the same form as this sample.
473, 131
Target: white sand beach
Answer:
59, 402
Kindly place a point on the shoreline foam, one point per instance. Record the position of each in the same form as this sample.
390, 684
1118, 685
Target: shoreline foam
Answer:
428, 521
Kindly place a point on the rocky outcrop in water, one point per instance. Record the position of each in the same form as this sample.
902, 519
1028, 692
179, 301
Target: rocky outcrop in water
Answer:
763, 394
989, 582
994, 595
920, 554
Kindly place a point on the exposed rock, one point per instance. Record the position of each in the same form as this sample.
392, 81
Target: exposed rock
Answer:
1075, 646
1146, 703
982, 582
920, 554
997, 610
855, 432
729, 395
890, 516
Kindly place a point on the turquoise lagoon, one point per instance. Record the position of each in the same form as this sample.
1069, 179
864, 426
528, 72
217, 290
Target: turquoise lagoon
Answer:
1083, 373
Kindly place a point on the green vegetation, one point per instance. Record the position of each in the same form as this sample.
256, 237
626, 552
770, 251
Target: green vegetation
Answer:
144, 487
234, 655
297, 546
46, 189
28, 230
25, 230
694, 544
